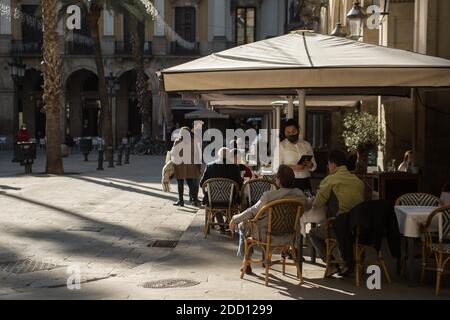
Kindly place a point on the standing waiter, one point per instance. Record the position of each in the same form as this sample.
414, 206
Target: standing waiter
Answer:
291, 151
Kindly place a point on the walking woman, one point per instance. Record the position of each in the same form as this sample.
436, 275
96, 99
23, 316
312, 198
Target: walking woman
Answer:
292, 150
185, 167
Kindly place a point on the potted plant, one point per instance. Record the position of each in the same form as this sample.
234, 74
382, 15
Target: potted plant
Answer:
362, 134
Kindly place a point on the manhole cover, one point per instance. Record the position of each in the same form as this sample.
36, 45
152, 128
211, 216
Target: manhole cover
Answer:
163, 244
26, 266
86, 229
170, 283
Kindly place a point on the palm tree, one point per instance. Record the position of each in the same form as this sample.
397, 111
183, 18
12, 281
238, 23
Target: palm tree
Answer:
135, 13
52, 86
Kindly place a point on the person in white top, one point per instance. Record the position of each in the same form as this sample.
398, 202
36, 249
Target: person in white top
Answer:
291, 151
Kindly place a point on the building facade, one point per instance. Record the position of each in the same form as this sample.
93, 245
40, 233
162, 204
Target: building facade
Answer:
186, 30
418, 123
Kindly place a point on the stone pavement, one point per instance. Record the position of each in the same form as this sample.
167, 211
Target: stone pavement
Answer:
104, 223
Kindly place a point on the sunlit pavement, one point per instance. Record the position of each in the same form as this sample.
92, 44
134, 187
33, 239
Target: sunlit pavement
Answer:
106, 224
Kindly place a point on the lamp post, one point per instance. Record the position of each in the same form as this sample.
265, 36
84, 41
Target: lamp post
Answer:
355, 19
113, 85
17, 74
339, 31
17, 68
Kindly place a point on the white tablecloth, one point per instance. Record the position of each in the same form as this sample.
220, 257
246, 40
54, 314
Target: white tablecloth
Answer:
445, 197
312, 216
410, 217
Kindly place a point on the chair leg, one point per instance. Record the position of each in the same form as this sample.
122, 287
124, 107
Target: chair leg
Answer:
328, 262
205, 228
298, 261
440, 269
383, 265
283, 263
267, 265
244, 268
207, 222
357, 265
246, 261
424, 264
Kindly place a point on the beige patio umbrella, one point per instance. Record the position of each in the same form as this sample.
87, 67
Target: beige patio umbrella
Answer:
305, 60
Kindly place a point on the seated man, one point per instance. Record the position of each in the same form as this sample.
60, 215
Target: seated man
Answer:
341, 189
223, 167
286, 182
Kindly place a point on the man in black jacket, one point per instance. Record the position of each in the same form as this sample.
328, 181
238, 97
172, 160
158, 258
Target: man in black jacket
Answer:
221, 168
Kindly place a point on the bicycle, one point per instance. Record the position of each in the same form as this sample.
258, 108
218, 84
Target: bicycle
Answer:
147, 146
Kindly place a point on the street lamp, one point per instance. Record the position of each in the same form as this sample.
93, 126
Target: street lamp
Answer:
339, 31
113, 84
17, 68
355, 19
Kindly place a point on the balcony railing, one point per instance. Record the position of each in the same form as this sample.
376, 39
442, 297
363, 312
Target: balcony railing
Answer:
177, 49
76, 48
125, 48
19, 47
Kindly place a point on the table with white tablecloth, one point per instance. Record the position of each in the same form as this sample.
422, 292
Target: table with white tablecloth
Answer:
409, 220
314, 215
311, 216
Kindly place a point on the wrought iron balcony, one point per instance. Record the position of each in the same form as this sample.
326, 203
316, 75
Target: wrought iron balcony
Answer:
177, 49
20, 48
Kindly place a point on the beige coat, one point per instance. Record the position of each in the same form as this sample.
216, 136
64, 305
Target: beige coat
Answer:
185, 170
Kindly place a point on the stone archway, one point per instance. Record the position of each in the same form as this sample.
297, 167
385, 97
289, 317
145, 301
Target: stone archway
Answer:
31, 103
129, 119
82, 104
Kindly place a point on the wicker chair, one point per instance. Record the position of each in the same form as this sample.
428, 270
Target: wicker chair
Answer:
270, 177
331, 245
283, 217
418, 199
253, 190
221, 194
359, 249
436, 244
415, 199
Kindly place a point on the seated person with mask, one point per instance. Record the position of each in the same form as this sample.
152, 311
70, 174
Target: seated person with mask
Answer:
286, 182
340, 191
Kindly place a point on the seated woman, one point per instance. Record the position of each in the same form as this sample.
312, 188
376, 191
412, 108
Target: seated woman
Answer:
286, 182
407, 162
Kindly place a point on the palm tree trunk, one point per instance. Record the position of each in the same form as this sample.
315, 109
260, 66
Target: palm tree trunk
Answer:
105, 113
143, 102
52, 87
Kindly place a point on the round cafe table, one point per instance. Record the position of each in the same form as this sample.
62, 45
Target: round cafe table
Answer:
409, 220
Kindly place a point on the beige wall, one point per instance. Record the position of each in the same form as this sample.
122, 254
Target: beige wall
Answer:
203, 23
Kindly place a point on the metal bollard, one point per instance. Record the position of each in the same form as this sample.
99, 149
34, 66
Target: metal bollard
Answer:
127, 154
100, 159
119, 156
111, 160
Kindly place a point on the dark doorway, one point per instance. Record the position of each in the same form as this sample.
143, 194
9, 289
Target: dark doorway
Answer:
40, 118
91, 117
134, 118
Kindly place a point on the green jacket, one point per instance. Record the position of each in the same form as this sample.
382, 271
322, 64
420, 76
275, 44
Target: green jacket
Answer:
347, 187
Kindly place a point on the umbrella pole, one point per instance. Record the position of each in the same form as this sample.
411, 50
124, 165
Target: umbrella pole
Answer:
302, 112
